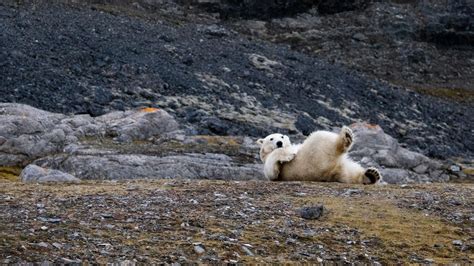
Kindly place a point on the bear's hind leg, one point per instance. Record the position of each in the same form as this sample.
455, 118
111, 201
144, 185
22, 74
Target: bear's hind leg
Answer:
371, 176
345, 141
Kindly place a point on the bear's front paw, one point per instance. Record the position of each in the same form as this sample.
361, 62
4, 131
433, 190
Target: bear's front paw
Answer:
372, 175
347, 137
288, 157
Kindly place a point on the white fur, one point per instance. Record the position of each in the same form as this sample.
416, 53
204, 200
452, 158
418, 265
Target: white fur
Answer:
321, 157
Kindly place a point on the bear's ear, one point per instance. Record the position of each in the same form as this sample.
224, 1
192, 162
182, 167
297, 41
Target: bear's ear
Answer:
260, 141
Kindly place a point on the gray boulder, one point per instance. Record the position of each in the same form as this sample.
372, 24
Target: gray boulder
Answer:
373, 147
34, 173
28, 133
138, 124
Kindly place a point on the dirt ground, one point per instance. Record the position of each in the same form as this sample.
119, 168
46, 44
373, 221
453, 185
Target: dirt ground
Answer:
236, 222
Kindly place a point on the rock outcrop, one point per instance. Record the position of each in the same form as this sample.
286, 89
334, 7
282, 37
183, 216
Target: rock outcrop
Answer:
147, 143
373, 147
28, 133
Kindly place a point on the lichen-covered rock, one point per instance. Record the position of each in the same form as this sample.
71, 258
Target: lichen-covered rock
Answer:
138, 125
34, 173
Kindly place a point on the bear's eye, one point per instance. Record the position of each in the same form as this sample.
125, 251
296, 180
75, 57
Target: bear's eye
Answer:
282, 137
271, 139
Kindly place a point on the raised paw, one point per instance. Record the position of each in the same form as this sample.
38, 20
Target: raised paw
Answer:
372, 175
287, 157
347, 137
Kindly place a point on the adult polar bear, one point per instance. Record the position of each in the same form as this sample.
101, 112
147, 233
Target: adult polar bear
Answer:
321, 157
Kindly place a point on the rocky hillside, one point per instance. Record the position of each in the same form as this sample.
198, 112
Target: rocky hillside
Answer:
131, 104
96, 58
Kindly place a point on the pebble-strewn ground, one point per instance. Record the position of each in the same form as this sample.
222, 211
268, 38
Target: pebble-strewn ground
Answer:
216, 221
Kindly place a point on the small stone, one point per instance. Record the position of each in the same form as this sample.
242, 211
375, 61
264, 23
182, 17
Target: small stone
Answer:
106, 215
351, 192
455, 168
215, 30
43, 245
199, 249
109, 226
247, 251
57, 245
457, 242
44, 228
359, 37
421, 169
67, 261
300, 194
312, 213
50, 220
105, 245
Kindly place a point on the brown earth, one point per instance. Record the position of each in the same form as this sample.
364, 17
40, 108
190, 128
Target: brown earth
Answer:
248, 222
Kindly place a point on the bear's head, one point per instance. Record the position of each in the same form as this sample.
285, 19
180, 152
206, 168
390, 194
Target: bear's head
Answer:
272, 142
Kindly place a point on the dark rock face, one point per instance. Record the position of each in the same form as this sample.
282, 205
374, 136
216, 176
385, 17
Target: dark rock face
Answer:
453, 29
262, 9
336, 6
267, 9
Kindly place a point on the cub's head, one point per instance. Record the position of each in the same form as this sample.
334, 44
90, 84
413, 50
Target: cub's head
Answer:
272, 142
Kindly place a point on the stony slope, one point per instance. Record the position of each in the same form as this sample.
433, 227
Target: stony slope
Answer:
77, 60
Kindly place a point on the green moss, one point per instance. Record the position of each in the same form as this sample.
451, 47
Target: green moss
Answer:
10, 173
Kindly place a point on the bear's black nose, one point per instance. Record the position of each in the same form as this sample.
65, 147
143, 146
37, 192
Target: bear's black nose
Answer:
279, 144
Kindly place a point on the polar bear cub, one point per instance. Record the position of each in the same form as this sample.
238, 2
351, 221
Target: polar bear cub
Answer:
321, 157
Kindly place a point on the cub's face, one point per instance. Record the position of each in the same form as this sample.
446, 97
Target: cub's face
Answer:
272, 142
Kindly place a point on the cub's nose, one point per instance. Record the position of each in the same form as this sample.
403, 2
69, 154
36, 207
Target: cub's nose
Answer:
279, 144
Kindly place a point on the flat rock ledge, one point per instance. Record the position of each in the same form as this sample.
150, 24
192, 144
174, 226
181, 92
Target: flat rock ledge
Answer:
148, 143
